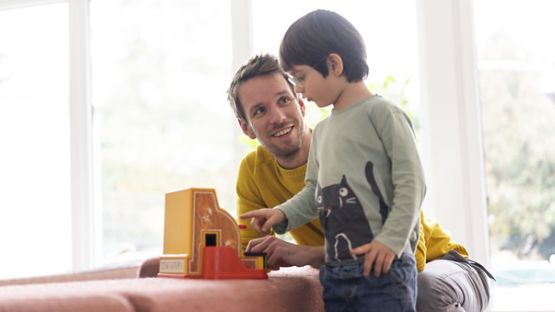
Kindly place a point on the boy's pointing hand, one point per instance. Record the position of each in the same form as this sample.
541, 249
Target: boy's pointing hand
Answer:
263, 219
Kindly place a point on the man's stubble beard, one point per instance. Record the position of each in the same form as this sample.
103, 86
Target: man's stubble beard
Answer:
286, 153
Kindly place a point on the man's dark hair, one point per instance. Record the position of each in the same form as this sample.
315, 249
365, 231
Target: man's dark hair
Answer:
313, 37
260, 65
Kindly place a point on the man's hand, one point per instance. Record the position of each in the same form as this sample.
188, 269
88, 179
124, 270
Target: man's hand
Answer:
280, 253
377, 256
263, 219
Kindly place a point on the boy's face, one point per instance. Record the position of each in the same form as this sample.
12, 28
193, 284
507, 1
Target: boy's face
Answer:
273, 115
313, 86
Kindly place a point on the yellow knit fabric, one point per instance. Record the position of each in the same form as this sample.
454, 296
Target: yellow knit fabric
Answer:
262, 183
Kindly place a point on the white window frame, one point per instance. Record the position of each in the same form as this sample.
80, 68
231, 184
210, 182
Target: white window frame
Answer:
86, 226
452, 117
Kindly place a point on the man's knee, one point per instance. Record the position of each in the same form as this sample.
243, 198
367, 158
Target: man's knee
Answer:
435, 292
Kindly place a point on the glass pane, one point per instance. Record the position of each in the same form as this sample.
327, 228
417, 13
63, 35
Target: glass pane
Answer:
516, 53
160, 75
35, 229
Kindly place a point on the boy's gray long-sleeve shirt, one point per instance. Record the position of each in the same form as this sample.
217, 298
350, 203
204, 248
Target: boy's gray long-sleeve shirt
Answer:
367, 149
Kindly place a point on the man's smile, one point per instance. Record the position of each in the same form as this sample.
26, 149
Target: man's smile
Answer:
283, 131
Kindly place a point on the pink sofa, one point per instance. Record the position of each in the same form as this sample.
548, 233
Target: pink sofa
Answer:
289, 289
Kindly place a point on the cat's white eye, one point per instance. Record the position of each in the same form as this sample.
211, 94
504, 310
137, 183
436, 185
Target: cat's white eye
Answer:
343, 191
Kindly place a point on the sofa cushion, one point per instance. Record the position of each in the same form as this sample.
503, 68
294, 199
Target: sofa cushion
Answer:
62, 303
291, 289
97, 274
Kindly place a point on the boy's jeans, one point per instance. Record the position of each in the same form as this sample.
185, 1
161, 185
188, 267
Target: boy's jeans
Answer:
346, 289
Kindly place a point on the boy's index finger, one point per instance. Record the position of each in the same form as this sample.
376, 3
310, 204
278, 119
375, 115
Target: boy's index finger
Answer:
261, 212
246, 215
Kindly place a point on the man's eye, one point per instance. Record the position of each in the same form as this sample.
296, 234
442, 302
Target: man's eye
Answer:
284, 100
257, 111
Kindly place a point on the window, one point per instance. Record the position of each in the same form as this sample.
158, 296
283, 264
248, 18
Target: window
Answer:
160, 71
35, 215
516, 54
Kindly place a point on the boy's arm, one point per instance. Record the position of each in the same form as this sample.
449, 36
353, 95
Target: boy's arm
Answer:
298, 210
301, 208
396, 133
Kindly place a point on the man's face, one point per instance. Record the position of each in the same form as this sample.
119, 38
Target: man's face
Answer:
273, 115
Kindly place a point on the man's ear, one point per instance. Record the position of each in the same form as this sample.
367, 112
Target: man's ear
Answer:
335, 64
247, 130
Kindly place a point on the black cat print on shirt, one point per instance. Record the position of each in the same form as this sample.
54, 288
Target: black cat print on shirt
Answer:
343, 219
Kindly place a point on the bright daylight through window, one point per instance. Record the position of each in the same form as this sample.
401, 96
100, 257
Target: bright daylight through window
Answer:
34, 133
159, 75
517, 86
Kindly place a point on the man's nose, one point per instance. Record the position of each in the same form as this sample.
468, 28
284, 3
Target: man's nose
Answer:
299, 88
277, 114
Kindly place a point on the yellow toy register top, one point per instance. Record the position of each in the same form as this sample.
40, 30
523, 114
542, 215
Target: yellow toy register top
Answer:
201, 240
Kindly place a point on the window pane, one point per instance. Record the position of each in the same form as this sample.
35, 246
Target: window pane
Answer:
160, 73
516, 53
35, 229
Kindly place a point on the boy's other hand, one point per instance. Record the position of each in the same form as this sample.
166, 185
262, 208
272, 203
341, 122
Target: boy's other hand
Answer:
263, 219
377, 256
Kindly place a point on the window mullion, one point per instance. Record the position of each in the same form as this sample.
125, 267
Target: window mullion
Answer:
83, 216
455, 176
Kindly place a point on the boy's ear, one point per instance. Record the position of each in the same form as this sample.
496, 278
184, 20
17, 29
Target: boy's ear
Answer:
335, 64
247, 130
301, 104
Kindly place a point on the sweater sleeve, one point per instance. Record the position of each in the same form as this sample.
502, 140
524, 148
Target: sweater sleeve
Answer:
301, 208
395, 131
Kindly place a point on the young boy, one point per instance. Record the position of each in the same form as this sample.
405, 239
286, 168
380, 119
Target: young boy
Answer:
364, 178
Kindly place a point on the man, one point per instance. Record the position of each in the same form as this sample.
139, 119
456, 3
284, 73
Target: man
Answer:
268, 109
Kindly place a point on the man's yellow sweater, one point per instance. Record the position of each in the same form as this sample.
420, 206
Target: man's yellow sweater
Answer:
263, 183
